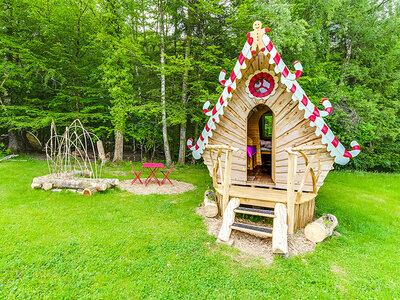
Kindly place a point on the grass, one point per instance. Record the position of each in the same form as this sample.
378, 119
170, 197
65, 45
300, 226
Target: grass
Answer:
118, 245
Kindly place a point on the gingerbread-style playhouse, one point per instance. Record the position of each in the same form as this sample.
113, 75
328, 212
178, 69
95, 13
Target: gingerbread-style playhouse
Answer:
265, 142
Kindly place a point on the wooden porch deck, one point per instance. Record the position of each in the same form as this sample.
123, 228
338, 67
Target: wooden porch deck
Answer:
263, 197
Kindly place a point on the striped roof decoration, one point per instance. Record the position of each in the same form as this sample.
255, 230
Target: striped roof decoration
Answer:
311, 112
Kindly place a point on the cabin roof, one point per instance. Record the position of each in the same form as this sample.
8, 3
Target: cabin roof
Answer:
289, 80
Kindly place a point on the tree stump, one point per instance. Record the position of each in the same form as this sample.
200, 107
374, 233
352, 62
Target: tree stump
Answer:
321, 228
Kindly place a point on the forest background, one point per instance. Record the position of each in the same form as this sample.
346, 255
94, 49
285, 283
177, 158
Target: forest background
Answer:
137, 73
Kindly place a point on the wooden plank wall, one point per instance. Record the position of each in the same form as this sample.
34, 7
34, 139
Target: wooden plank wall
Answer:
291, 130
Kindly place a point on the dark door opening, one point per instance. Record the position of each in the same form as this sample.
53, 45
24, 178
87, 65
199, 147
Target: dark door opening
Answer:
260, 145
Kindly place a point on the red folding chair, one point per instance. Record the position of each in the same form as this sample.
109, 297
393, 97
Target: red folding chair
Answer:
137, 175
166, 175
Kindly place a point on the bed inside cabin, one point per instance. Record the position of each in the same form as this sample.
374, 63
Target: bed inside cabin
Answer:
260, 141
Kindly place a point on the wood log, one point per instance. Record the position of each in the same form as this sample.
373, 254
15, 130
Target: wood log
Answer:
321, 228
75, 183
210, 206
102, 187
229, 218
89, 191
47, 186
110, 181
279, 232
36, 186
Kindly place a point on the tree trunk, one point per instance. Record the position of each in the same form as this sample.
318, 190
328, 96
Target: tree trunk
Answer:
153, 153
182, 135
14, 142
100, 151
163, 106
119, 146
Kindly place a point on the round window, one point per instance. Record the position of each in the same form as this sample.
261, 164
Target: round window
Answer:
261, 85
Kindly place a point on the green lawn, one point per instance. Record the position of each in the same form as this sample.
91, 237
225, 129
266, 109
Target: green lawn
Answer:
117, 245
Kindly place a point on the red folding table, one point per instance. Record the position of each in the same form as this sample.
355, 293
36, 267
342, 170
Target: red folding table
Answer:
153, 167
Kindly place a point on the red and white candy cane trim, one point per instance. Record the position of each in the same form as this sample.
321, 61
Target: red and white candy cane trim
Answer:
311, 112
328, 108
280, 66
240, 65
214, 114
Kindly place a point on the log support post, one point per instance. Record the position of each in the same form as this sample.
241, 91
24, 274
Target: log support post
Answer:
279, 232
291, 194
228, 219
227, 179
223, 199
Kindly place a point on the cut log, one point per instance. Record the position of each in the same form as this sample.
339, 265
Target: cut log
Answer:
321, 228
102, 187
279, 233
110, 181
47, 186
210, 206
36, 186
89, 191
229, 218
75, 183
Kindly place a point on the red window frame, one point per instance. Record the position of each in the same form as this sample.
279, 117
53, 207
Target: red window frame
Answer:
258, 76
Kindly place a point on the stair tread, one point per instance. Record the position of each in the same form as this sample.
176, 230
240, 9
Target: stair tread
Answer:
263, 194
252, 227
257, 211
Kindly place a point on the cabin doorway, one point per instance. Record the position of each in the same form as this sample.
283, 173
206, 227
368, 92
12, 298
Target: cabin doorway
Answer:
261, 145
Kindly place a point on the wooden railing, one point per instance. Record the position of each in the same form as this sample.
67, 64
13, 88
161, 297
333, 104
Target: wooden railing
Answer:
217, 165
292, 195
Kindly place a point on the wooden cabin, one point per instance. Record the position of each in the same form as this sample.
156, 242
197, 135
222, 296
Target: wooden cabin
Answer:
265, 142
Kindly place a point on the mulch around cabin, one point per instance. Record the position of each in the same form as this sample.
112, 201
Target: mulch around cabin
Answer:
153, 188
261, 247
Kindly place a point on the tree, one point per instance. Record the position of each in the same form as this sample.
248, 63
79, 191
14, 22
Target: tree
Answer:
163, 104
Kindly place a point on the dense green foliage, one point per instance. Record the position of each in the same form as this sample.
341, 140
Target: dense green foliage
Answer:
118, 245
99, 61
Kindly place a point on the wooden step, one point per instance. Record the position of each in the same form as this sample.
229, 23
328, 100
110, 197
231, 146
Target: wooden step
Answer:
255, 211
252, 229
262, 197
